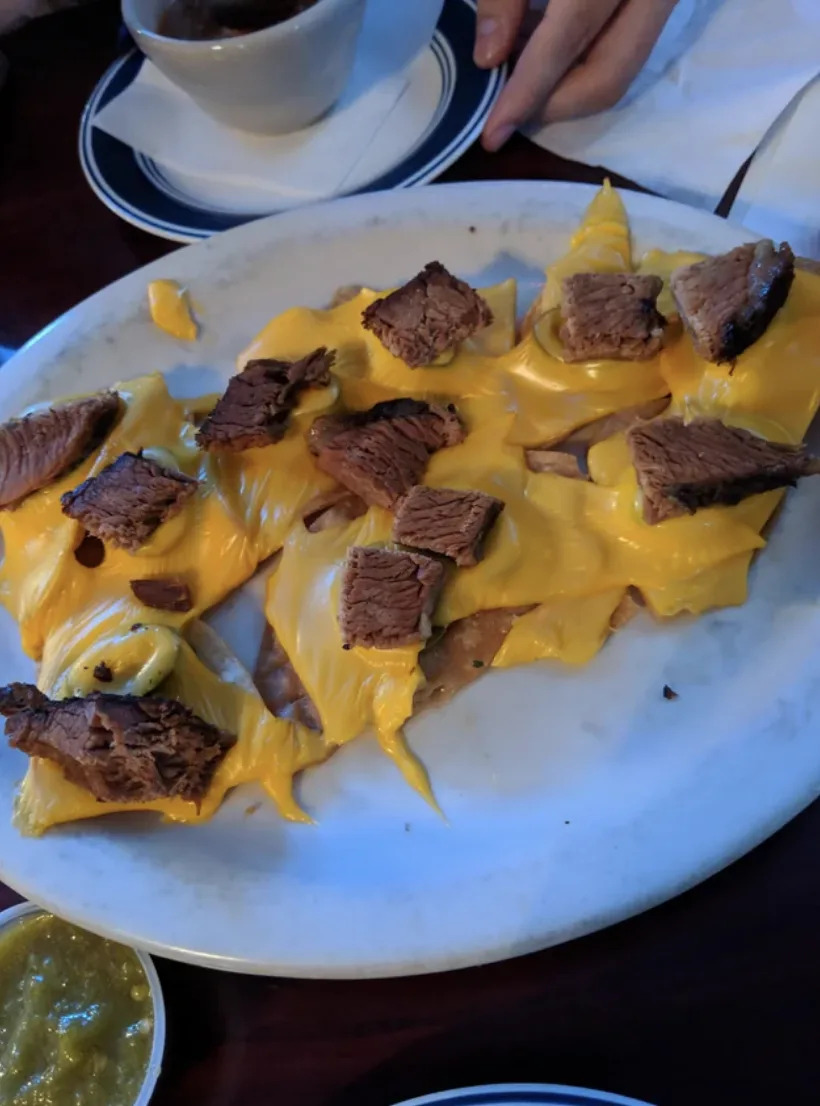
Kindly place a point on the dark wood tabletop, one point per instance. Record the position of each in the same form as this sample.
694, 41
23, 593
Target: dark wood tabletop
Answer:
709, 999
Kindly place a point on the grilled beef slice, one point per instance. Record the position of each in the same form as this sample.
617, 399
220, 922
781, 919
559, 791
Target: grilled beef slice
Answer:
118, 747
442, 520
40, 448
334, 508
428, 315
163, 593
611, 315
682, 467
257, 404
128, 501
381, 453
388, 597
460, 655
277, 681
727, 302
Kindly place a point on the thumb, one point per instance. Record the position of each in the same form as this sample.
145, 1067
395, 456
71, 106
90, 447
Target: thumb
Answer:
497, 26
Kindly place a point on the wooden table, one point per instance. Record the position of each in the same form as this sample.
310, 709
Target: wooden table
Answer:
710, 999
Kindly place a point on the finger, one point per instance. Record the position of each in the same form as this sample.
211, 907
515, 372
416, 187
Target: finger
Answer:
497, 26
562, 36
613, 62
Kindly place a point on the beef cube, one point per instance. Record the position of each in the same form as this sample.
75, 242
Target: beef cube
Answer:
684, 466
120, 748
388, 597
381, 453
163, 593
40, 448
727, 302
442, 520
612, 316
257, 404
128, 501
430, 314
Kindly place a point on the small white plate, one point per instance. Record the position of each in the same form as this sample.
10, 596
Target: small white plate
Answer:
440, 114
523, 1094
13, 915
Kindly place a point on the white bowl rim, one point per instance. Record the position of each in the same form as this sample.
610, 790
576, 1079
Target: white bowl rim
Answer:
275, 33
14, 914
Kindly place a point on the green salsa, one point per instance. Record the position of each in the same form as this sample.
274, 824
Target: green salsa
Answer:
76, 1017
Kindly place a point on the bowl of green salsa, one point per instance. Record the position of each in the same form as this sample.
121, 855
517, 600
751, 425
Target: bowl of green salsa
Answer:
82, 1020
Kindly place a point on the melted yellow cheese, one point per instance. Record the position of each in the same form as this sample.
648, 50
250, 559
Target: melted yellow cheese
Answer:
171, 309
601, 244
568, 548
568, 630
550, 397
352, 689
269, 750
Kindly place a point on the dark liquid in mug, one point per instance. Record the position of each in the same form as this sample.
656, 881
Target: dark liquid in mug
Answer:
203, 19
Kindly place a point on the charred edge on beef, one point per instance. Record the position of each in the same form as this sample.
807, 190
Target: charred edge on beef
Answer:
446, 521
388, 597
682, 467
727, 302
430, 314
611, 315
40, 448
164, 593
257, 404
119, 748
381, 453
128, 501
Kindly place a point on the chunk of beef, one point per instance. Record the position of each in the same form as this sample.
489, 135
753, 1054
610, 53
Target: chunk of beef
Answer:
381, 453
727, 302
40, 448
333, 508
255, 409
428, 315
164, 593
462, 652
15, 698
684, 466
120, 748
388, 597
611, 315
283, 693
128, 501
442, 520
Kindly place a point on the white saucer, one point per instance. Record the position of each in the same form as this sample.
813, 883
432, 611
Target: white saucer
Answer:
440, 114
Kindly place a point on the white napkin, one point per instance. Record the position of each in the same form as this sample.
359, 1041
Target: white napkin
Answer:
718, 78
780, 194
155, 117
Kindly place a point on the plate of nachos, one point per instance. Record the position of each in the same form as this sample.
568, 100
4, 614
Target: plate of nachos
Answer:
410, 582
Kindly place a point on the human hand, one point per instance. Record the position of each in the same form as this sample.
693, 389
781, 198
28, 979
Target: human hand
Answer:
581, 58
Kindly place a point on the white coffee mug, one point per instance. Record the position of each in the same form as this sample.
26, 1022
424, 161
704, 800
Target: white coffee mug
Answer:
268, 82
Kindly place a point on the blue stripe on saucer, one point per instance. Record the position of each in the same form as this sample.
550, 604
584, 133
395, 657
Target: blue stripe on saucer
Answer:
135, 187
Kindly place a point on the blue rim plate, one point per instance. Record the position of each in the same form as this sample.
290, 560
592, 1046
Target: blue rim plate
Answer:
136, 189
523, 1094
